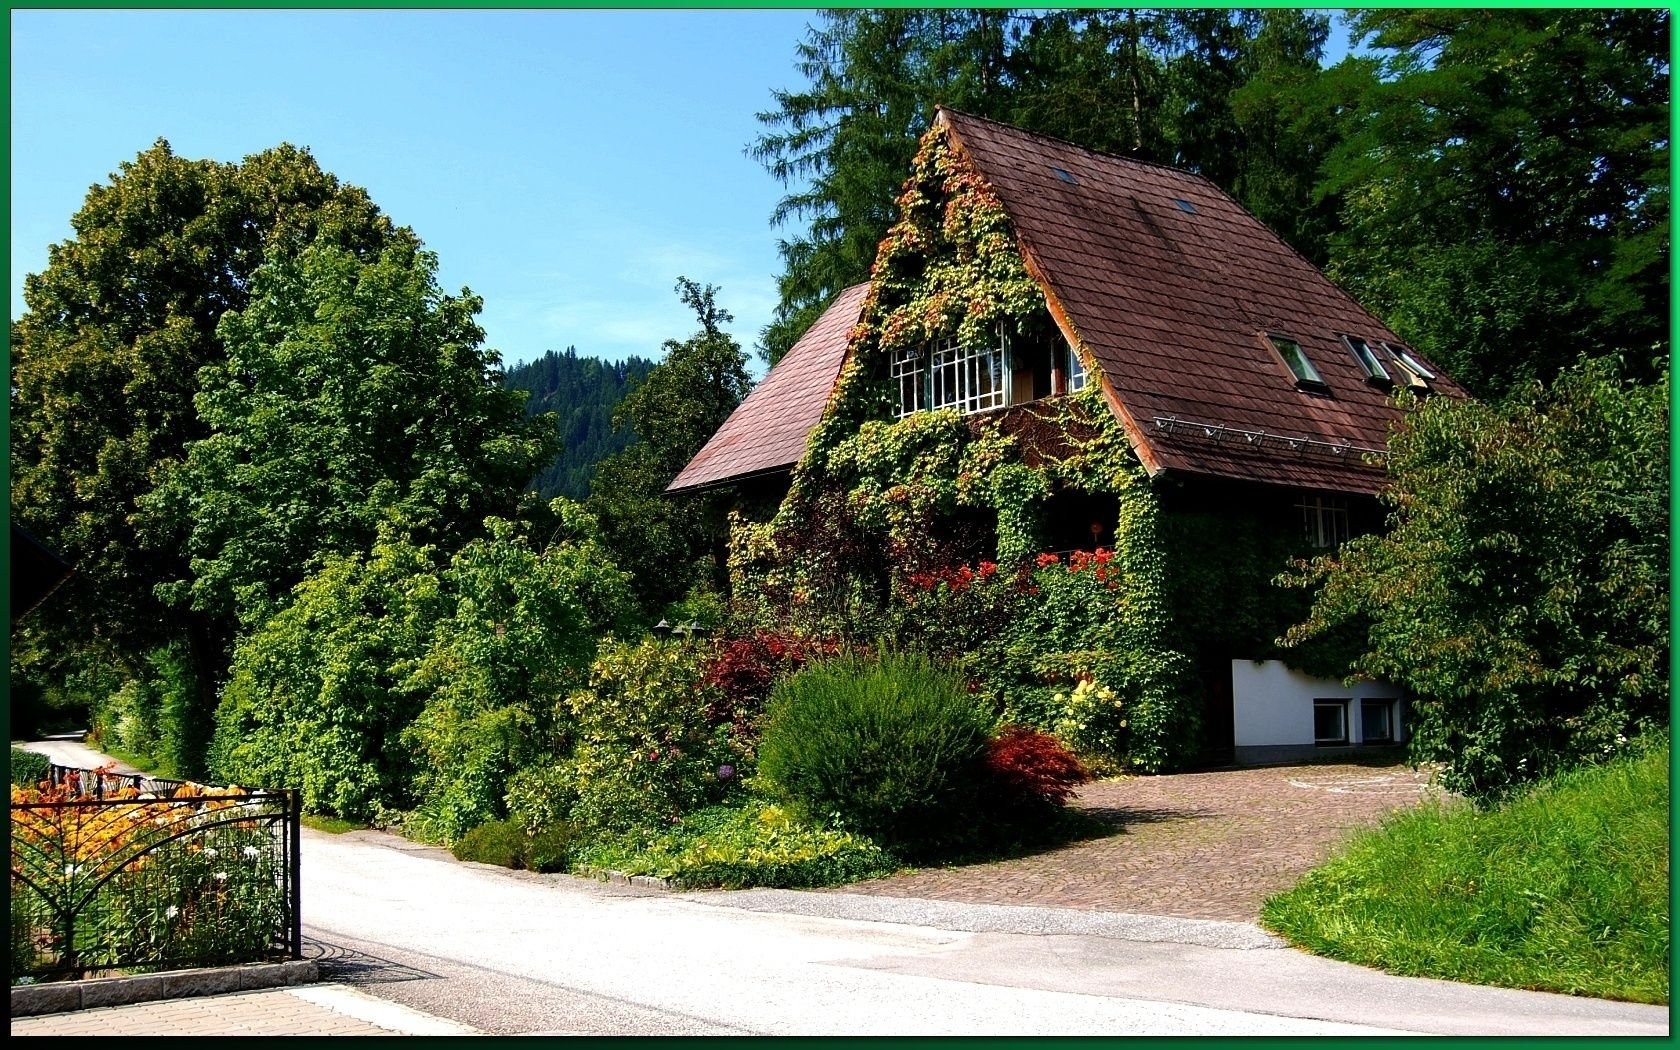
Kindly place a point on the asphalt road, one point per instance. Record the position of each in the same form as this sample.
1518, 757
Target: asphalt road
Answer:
511, 952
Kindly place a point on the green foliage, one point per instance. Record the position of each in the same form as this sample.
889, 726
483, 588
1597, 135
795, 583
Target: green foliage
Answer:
889, 746
1564, 888
540, 795
1504, 180
522, 634
313, 702
757, 844
105, 361
353, 394
28, 767
506, 844
582, 393
1521, 591
403, 678
670, 544
646, 748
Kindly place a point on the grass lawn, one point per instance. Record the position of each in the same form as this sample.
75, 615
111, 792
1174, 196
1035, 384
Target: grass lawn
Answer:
330, 825
1564, 889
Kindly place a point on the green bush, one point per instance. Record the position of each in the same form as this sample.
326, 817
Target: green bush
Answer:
733, 848
506, 844
891, 747
28, 767
540, 796
1564, 888
647, 750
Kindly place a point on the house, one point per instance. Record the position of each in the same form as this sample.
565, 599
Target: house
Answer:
1255, 394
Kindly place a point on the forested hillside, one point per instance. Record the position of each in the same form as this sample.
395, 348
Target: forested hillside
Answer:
582, 391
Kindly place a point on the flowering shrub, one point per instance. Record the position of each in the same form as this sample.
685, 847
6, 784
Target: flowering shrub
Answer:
647, 750
743, 670
193, 878
1031, 772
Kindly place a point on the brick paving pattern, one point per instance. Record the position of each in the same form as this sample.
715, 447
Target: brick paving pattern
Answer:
1199, 845
275, 1011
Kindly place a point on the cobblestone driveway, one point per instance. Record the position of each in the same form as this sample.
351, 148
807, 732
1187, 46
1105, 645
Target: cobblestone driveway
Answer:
1202, 845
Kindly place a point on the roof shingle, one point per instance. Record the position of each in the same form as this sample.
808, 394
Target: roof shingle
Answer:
1174, 305
767, 431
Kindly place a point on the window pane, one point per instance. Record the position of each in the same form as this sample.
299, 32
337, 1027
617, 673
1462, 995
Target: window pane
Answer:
1075, 371
1377, 723
1296, 359
1367, 358
1329, 722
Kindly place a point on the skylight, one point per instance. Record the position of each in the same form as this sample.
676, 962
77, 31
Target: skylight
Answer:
1184, 205
1367, 358
1065, 177
1306, 376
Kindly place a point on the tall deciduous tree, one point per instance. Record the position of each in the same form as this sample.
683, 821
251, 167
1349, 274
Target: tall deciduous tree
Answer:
353, 394
1505, 185
105, 363
673, 412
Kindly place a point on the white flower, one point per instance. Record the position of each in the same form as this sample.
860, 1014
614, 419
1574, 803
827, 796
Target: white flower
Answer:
209, 851
171, 911
252, 852
220, 876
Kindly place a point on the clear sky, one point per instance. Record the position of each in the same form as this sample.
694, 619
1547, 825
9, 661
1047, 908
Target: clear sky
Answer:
566, 165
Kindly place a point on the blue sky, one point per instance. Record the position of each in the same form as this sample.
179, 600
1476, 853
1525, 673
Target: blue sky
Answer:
566, 165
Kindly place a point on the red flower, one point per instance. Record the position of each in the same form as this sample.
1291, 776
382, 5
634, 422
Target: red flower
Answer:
1047, 560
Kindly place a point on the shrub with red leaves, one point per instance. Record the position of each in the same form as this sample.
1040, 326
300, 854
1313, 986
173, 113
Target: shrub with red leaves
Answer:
744, 670
1031, 770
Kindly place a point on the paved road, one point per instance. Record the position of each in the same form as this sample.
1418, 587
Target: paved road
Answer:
508, 952
511, 952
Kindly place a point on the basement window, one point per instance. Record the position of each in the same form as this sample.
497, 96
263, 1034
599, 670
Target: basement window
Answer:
1376, 721
1306, 376
1375, 373
1330, 722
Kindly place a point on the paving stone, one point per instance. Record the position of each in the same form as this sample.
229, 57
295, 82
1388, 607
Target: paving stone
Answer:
1198, 845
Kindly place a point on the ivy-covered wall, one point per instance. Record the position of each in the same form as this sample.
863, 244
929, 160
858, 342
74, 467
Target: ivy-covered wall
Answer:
938, 530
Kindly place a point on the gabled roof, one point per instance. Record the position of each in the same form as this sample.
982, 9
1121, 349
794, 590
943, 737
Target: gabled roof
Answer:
1173, 300
767, 431
1172, 287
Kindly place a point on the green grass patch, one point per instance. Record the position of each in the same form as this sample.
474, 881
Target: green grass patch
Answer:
733, 848
330, 825
1563, 889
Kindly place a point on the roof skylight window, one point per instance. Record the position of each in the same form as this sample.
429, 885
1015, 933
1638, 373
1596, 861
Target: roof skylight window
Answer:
1184, 205
1306, 376
1375, 373
1066, 177
1417, 377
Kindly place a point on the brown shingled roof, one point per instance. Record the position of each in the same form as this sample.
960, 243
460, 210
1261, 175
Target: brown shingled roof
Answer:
1173, 301
767, 431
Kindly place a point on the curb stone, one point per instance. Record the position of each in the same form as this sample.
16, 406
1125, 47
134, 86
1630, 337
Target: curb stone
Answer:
62, 996
619, 878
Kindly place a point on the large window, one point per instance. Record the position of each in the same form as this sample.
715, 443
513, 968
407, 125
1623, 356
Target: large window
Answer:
1330, 722
909, 377
951, 375
1324, 519
968, 378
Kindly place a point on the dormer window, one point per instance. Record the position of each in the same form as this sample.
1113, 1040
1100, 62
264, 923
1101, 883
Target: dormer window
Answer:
1295, 358
1375, 373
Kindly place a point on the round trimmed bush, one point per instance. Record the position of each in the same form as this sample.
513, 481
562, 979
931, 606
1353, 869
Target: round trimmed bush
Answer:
891, 746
